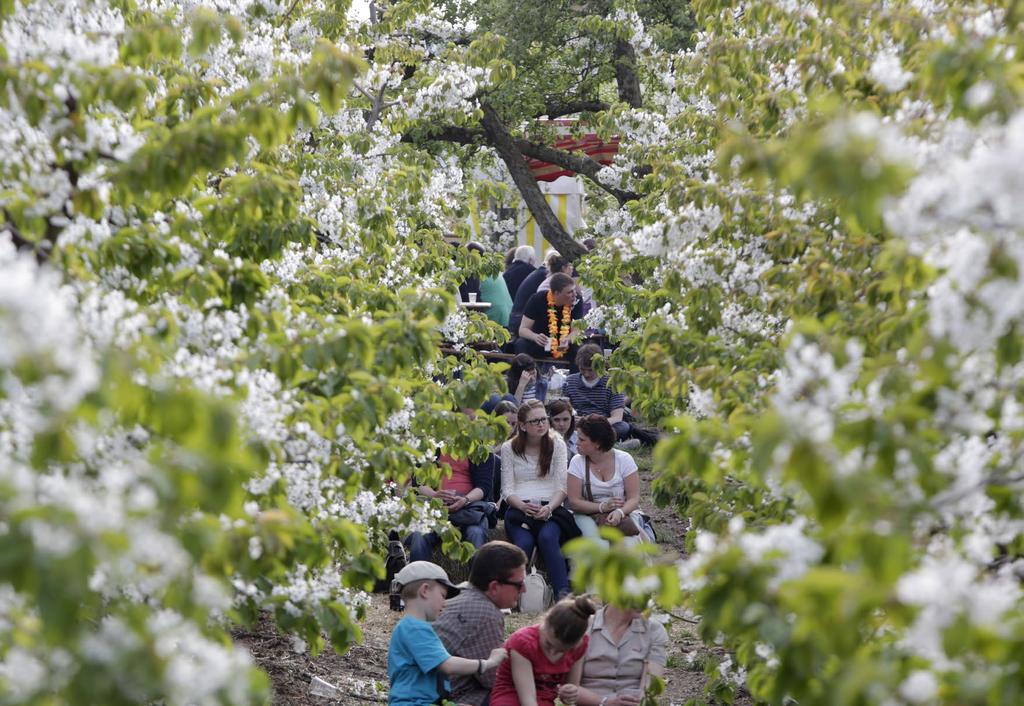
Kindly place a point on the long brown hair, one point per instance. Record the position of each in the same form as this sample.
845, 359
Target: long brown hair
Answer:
559, 405
547, 446
520, 364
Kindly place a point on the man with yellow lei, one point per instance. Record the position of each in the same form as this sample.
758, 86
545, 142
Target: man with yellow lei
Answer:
546, 328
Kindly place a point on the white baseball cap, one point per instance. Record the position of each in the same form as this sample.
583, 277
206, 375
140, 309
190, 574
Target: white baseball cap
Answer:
423, 571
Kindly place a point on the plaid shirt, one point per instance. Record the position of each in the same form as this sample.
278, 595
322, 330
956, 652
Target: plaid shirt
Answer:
471, 626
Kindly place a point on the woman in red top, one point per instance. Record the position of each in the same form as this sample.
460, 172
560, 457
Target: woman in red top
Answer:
542, 656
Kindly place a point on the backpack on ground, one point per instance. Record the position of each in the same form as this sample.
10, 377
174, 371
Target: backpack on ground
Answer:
538, 596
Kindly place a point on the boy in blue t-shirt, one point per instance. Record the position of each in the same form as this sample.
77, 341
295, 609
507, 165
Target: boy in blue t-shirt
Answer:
416, 657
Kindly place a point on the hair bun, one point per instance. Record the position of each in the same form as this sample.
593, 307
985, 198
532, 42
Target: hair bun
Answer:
583, 607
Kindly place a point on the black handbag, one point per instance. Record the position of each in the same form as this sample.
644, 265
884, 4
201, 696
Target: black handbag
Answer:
560, 516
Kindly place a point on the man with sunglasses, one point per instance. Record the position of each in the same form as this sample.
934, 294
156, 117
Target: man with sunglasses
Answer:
472, 624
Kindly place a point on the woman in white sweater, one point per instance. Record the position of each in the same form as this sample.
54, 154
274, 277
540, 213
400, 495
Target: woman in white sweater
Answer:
533, 464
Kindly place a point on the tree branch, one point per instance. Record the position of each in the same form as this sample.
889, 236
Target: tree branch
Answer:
290, 10
449, 133
377, 104
499, 137
683, 618
556, 110
575, 162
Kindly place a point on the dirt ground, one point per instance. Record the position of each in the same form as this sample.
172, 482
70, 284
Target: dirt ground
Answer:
361, 673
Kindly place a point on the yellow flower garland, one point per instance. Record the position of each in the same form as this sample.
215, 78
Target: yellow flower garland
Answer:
556, 333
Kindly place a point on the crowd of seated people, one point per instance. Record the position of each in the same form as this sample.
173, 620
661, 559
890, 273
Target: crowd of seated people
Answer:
576, 653
564, 471
530, 475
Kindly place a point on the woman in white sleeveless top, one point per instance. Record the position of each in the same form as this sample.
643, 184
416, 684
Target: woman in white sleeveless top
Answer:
614, 481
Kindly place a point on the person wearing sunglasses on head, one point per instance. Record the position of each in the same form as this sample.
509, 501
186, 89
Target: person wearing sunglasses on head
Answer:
533, 477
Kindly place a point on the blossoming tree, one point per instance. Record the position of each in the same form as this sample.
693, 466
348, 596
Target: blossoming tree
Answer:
220, 307
224, 282
830, 244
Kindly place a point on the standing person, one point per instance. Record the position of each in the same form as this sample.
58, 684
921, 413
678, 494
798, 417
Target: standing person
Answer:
533, 486
546, 325
524, 262
555, 265
416, 658
625, 650
563, 421
603, 483
544, 659
472, 624
494, 291
590, 394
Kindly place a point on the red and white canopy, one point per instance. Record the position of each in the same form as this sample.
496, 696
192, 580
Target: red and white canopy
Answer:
601, 152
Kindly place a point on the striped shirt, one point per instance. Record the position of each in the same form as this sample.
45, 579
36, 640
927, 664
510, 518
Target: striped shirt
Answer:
598, 399
530, 393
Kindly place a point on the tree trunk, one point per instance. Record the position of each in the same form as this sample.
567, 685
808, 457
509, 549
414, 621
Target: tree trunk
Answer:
625, 74
498, 135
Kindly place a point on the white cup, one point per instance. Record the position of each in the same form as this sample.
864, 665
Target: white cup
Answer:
607, 352
319, 687
472, 297
547, 346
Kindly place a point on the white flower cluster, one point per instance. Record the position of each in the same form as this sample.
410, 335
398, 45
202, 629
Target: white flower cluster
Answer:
887, 71
305, 587
669, 238
198, 670
737, 677
455, 328
811, 387
110, 490
26, 171
961, 212
786, 548
36, 325
451, 88
639, 38
944, 587
612, 320
63, 33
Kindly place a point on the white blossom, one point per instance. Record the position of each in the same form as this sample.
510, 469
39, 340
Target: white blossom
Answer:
887, 71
